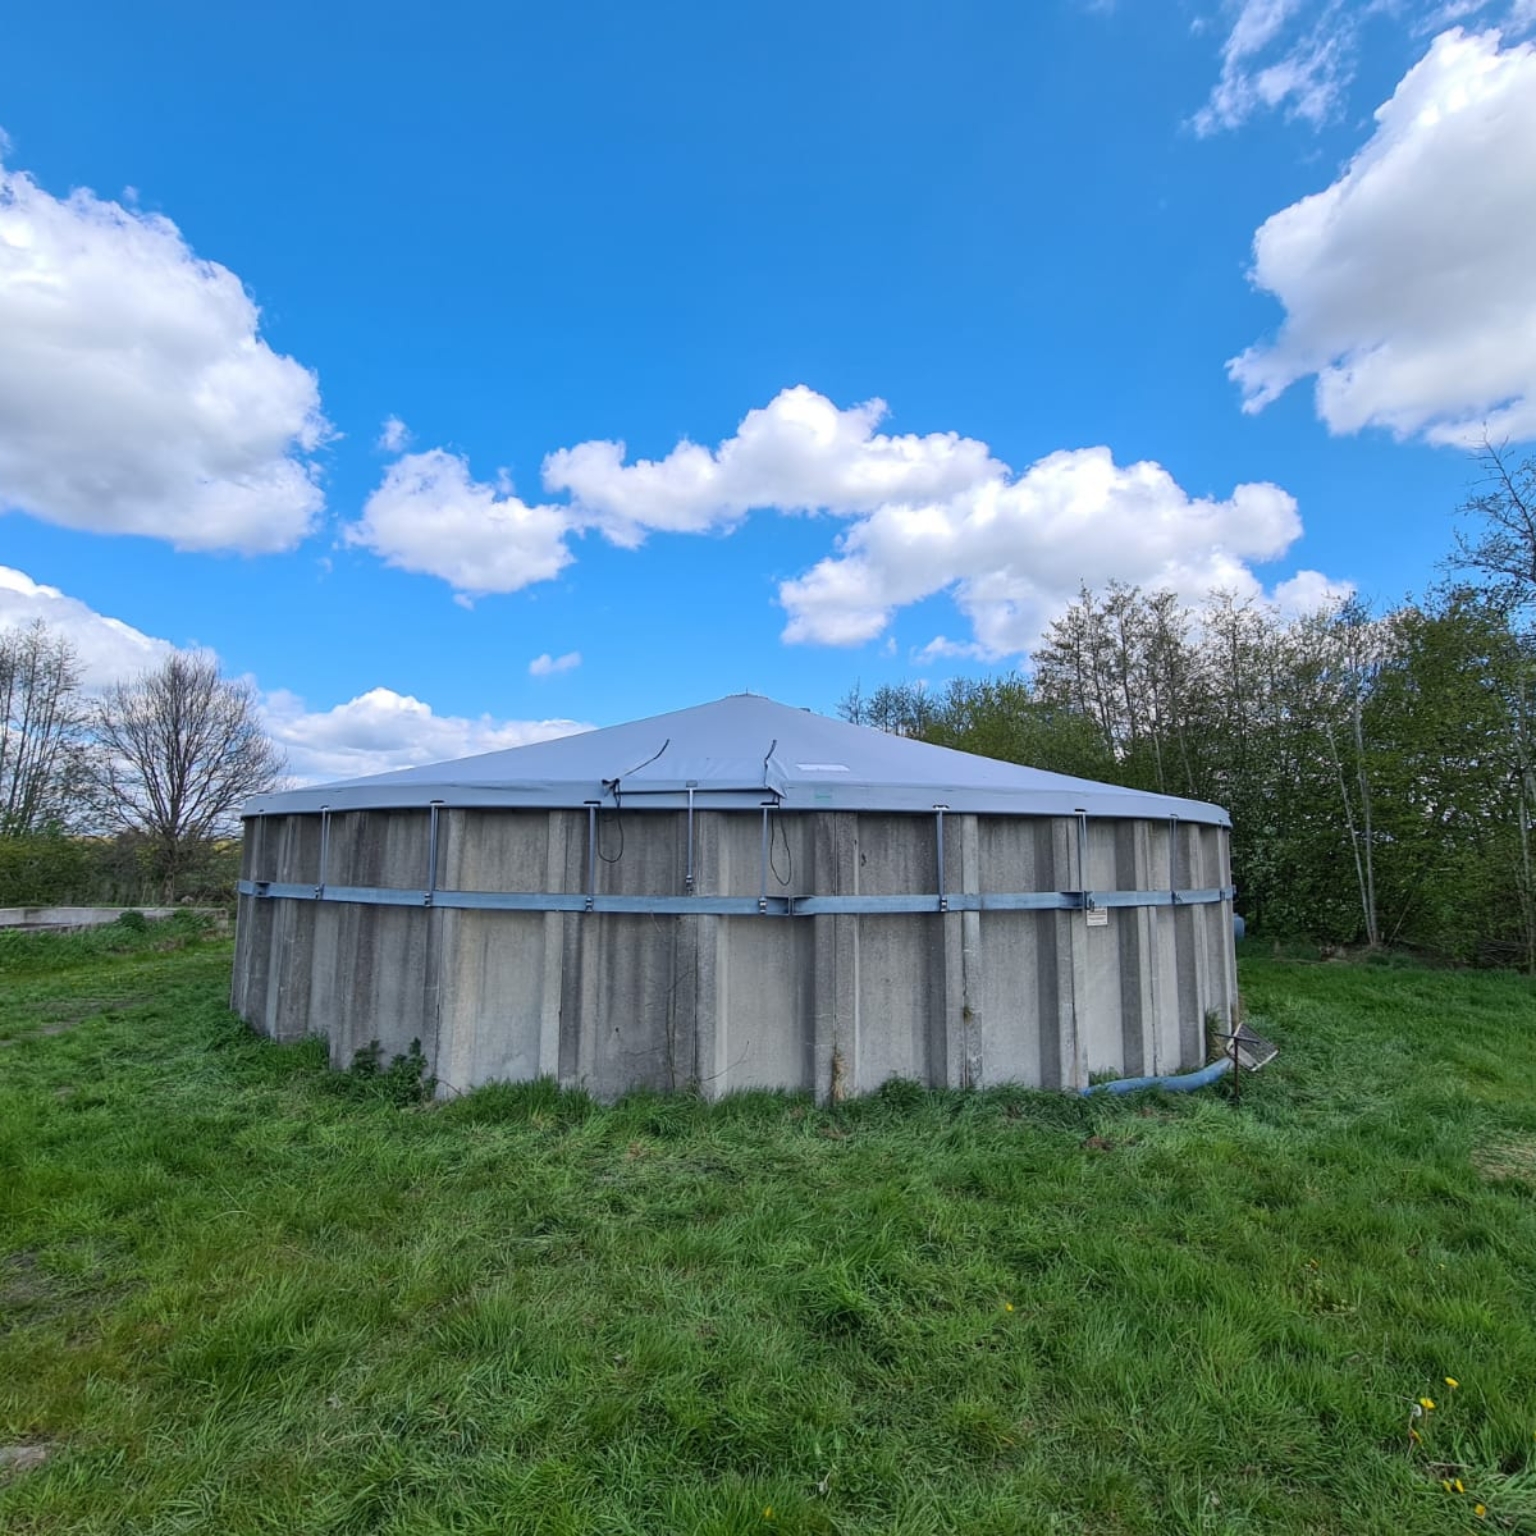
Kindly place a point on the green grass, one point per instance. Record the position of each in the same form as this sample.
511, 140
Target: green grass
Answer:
239, 1293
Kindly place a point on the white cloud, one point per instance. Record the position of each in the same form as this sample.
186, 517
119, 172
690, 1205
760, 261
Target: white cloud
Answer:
799, 453
929, 514
431, 516
382, 730
136, 393
932, 513
1410, 284
108, 648
1309, 592
547, 665
1301, 56
373, 733
394, 436
1013, 551
942, 648
1267, 63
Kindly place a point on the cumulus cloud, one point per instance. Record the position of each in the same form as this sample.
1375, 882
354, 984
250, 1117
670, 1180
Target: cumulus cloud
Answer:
136, 392
1013, 551
1309, 592
373, 733
927, 514
431, 516
799, 453
942, 648
108, 648
547, 665
383, 730
394, 436
1409, 285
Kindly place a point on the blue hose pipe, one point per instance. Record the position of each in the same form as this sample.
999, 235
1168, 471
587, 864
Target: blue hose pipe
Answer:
1185, 1083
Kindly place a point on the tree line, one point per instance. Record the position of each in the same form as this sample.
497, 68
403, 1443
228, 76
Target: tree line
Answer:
1378, 763
128, 793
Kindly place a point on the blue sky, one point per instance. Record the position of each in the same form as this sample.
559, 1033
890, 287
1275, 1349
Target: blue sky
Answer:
234, 245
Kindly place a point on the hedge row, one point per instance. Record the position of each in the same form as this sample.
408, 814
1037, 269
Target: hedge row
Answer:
53, 870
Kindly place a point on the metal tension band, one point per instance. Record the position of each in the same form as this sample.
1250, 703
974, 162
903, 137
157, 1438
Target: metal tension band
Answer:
762, 905
731, 906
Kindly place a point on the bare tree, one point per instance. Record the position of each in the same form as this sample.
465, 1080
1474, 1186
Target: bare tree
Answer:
1501, 551
181, 748
41, 715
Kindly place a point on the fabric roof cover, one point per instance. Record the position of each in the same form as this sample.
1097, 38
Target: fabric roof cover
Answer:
739, 752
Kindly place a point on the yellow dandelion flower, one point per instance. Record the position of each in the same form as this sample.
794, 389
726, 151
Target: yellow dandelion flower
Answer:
1452, 1383
1457, 1482
1427, 1404
1007, 1306
1479, 1510
1445, 1483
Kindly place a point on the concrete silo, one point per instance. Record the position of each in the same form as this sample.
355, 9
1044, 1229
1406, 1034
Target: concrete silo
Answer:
739, 895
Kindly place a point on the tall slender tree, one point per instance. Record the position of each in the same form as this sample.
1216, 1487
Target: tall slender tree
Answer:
42, 750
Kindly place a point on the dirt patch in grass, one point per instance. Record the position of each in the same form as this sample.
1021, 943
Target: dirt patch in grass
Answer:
33, 1292
1512, 1158
23, 1458
25, 1289
58, 1018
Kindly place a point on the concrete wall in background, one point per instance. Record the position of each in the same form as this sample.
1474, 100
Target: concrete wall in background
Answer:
834, 1003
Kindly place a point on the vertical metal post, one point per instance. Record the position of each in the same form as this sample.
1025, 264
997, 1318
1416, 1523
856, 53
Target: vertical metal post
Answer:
432, 851
591, 852
688, 872
259, 856
1173, 859
1085, 895
939, 833
325, 850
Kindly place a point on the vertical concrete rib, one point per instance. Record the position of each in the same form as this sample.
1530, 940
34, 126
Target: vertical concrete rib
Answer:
835, 857
1062, 984
710, 1059
552, 981
1138, 951
961, 1057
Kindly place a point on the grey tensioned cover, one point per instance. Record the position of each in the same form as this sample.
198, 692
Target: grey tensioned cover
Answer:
739, 752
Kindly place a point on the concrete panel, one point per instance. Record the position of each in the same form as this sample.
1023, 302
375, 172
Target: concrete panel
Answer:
759, 1029
1017, 957
899, 957
374, 970
499, 973
766, 1034
1102, 1022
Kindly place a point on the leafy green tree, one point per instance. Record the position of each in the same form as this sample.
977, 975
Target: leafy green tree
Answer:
1446, 731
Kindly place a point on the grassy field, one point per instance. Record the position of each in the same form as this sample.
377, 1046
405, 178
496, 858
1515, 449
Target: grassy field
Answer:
240, 1293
